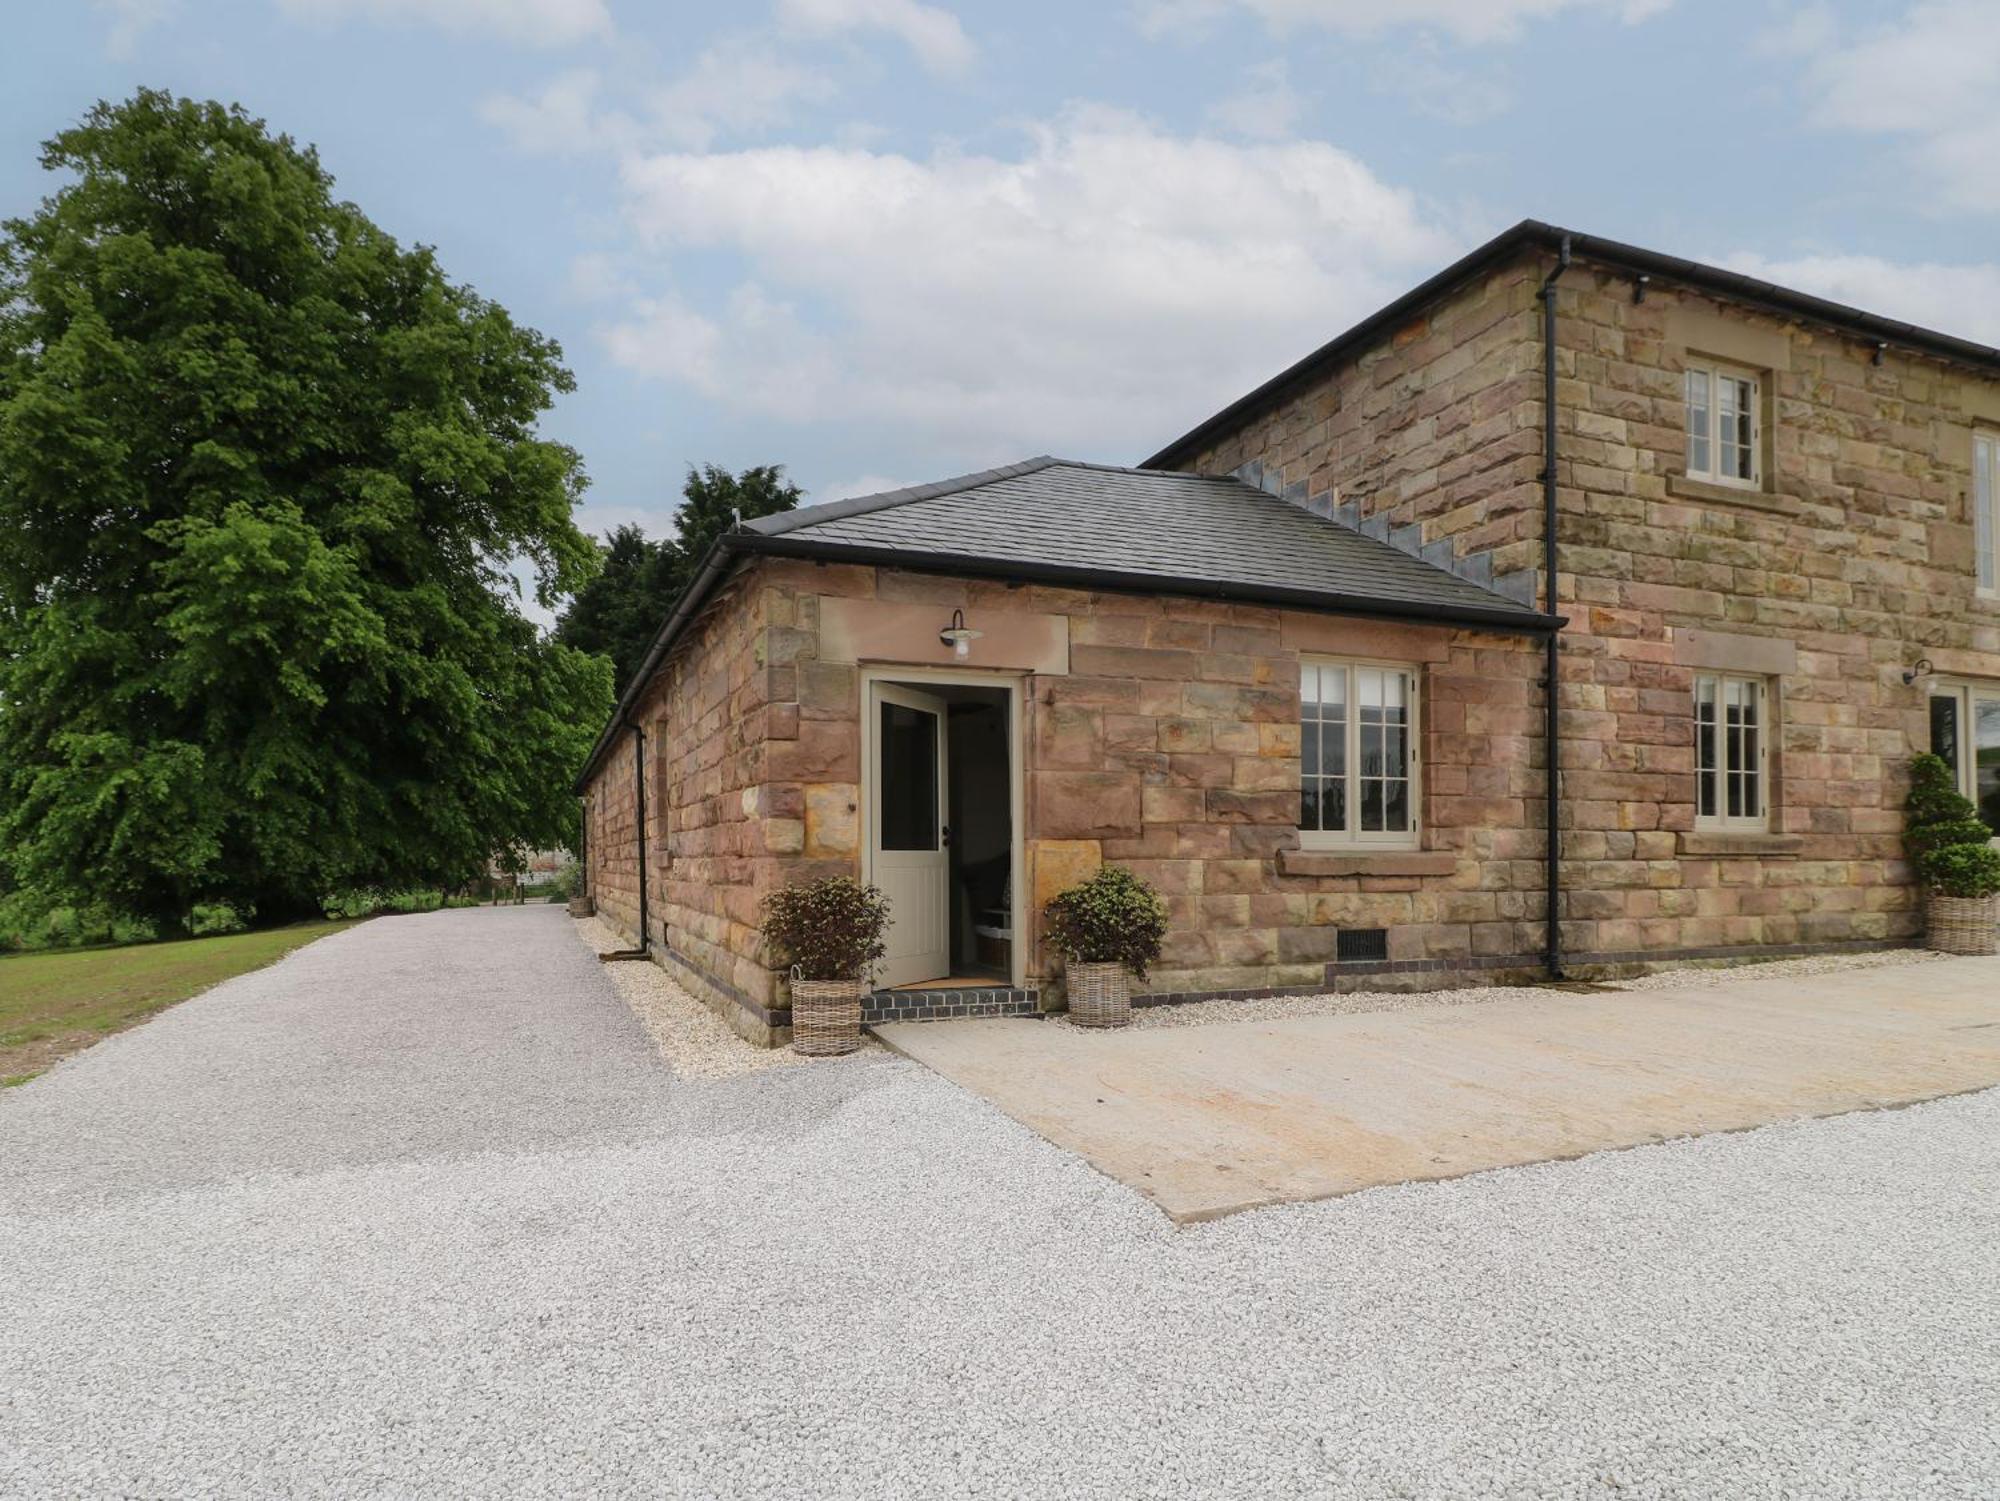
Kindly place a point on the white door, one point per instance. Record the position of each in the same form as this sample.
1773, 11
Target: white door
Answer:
907, 834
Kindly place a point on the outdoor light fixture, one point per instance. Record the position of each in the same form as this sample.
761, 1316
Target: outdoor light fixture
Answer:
1921, 670
958, 636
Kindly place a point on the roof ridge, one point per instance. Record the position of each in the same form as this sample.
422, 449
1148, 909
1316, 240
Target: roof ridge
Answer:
883, 500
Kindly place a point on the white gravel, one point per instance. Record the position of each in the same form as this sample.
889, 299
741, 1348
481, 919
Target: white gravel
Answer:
1819, 964
693, 1040
1275, 1008
364, 1275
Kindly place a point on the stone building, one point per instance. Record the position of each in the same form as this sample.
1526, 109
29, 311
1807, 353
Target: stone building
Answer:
1292, 670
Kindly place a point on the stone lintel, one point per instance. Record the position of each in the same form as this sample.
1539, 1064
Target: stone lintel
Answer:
1768, 656
1367, 862
1714, 844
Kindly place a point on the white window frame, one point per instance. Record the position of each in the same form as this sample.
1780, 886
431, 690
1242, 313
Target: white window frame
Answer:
1968, 694
1722, 821
1986, 513
1352, 836
1718, 372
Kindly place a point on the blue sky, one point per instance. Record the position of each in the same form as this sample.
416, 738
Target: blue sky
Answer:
881, 241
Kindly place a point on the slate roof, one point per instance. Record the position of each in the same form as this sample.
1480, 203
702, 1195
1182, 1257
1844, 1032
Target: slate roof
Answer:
1135, 528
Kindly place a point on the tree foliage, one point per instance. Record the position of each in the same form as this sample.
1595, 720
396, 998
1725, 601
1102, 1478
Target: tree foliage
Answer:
618, 613
265, 478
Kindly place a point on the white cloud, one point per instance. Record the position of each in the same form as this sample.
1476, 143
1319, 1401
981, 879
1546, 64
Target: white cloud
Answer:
738, 85
932, 33
1932, 77
1955, 299
1053, 299
1265, 108
537, 23
1465, 20
1430, 86
130, 21
865, 484
561, 118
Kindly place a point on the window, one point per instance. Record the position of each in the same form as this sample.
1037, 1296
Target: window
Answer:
1357, 755
1986, 508
1731, 753
1965, 731
1723, 426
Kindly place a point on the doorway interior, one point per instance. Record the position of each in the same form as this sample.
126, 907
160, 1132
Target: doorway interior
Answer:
942, 805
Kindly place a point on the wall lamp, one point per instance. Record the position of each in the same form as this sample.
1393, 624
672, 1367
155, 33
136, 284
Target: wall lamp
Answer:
958, 636
1921, 669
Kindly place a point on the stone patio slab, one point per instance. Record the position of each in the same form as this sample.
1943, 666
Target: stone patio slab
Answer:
1209, 1120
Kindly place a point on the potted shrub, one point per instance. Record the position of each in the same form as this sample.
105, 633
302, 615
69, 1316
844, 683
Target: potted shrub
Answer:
1108, 929
1953, 853
830, 933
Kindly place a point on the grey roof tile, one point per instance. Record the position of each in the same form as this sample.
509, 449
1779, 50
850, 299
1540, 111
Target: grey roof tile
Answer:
1143, 522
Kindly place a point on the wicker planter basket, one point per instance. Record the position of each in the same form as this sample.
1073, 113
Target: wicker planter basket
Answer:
826, 1016
1100, 995
1965, 924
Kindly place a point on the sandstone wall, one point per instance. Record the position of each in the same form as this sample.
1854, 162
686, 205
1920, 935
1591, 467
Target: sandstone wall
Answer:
1854, 560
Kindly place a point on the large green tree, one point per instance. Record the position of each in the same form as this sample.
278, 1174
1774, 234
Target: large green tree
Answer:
618, 613
267, 481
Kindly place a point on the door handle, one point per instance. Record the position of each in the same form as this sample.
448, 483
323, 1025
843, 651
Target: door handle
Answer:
944, 836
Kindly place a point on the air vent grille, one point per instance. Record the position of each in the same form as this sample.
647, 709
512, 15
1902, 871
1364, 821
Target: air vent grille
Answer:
1353, 945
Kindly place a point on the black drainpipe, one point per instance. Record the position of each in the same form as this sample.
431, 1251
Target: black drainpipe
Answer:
639, 787
1552, 722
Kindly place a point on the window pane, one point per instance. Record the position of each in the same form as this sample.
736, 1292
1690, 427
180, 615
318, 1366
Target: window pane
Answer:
1944, 729
1986, 508
1697, 421
1309, 807
1333, 805
909, 778
1396, 799
1986, 759
1371, 806
1738, 411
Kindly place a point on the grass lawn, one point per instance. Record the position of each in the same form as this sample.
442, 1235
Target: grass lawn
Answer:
55, 1004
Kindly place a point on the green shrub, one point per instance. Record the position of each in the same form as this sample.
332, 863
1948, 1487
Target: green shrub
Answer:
1934, 799
1962, 870
1112, 918
1945, 835
829, 929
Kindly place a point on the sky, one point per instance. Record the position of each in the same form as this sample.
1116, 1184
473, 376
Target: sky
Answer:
886, 241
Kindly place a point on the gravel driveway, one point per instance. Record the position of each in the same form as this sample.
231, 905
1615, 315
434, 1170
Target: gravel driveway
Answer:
416, 1210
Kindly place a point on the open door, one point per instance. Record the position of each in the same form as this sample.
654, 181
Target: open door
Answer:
909, 843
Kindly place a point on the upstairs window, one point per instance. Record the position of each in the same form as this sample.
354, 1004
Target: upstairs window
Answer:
1986, 508
1731, 752
1357, 755
1723, 423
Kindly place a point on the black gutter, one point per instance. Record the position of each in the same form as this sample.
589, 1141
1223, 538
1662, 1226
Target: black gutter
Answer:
745, 543
1870, 328
1551, 644
1524, 621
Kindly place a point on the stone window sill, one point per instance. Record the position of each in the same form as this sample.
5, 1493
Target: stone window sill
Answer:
1727, 495
1715, 844
1366, 862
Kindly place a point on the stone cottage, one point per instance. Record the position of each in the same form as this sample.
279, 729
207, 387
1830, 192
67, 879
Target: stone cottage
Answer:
1293, 669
